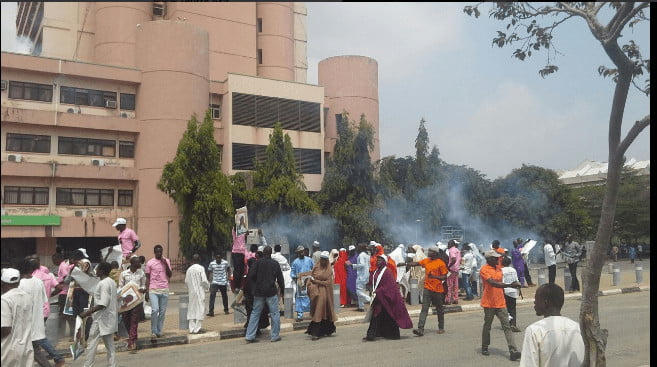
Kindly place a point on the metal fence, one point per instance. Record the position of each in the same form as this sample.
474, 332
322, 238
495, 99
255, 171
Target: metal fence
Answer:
179, 265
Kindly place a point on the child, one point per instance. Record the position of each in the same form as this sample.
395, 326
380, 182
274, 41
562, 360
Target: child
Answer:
509, 275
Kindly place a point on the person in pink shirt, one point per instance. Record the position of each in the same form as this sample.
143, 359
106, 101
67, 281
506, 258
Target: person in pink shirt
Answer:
127, 238
48, 279
238, 254
158, 272
64, 268
453, 267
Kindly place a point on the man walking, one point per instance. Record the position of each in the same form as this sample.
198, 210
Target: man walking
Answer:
362, 278
158, 272
550, 261
453, 277
16, 315
264, 275
434, 292
301, 265
127, 238
238, 253
104, 313
493, 303
131, 317
316, 252
219, 272
572, 252
197, 285
556, 340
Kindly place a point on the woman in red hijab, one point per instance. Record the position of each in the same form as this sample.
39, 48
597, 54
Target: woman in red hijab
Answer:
340, 271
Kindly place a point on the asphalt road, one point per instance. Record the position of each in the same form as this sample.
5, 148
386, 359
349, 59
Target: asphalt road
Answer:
627, 316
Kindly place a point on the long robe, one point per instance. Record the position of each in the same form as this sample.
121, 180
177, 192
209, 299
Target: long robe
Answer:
302, 302
352, 274
197, 285
320, 292
341, 277
388, 309
398, 256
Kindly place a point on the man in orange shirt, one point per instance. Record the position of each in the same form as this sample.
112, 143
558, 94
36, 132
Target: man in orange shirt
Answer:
493, 303
434, 293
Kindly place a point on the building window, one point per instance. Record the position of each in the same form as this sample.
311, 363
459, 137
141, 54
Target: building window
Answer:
245, 157
30, 91
125, 198
86, 97
84, 146
259, 25
216, 111
262, 111
158, 9
126, 149
127, 101
85, 197
259, 56
26, 195
28, 143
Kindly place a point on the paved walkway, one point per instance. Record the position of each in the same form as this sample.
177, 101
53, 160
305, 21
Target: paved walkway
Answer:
223, 326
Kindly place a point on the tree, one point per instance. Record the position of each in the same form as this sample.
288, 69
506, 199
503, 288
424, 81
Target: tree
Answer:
628, 66
200, 190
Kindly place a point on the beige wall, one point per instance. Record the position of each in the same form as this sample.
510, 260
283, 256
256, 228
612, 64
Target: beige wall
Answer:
116, 30
300, 43
276, 40
68, 30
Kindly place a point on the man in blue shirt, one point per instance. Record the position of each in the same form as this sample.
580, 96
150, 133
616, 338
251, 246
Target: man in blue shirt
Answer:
301, 265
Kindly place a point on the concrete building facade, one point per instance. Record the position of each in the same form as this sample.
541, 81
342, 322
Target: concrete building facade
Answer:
92, 116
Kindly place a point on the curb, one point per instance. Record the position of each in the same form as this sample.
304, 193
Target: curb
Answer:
346, 320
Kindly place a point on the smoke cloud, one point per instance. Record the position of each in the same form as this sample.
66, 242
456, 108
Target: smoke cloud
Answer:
11, 42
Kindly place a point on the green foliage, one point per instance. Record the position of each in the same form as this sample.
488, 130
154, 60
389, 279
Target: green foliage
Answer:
200, 190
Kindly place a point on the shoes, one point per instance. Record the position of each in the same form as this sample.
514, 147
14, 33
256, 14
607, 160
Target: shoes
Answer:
276, 339
132, 348
153, 336
468, 299
484, 351
360, 309
455, 302
441, 331
418, 332
159, 335
60, 364
314, 338
299, 319
515, 329
227, 312
341, 306
250, 341
368, 339
116, 337
210, 314
515, 356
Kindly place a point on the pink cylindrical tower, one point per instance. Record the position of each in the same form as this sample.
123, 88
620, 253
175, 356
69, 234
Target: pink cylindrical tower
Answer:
116, 31
275, 40
351, 83
174, 60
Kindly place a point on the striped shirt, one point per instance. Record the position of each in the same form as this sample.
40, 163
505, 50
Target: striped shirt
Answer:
219, 272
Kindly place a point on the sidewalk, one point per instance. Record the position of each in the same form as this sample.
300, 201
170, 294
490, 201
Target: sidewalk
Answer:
222, 326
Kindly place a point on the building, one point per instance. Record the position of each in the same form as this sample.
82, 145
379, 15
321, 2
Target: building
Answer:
92, 116
595, 173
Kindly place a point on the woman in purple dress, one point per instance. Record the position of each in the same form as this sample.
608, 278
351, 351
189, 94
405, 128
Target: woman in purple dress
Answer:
518, 262
352, 274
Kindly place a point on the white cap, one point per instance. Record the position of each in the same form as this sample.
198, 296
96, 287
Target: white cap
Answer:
11, 276
352, 247
343, 249
372, 243
401, 245
84, 252
119, 221
324, 254
315, 244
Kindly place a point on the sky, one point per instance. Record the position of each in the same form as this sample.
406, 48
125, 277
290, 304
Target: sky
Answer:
483, 108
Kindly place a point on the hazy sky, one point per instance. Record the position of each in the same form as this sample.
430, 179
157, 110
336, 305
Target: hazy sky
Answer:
484, 109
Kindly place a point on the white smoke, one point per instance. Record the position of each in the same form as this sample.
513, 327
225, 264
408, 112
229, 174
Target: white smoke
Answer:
11, 42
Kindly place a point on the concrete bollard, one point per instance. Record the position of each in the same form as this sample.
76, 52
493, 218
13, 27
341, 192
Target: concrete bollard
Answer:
288, 303
52, 324
415, 296
610, 268
638, 268
566, 279
183, 302
541, 276
336, 297
616, 277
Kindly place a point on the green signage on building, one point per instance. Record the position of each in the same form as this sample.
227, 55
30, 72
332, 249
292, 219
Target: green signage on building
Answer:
31, 220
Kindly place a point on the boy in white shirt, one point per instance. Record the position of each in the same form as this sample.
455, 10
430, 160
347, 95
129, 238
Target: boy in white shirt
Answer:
509, 275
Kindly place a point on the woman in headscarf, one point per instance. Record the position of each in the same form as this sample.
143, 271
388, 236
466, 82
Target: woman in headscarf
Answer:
340, 271
320, 292
388, 312
417, 272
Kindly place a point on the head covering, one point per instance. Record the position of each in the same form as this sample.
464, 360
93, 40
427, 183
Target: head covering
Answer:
119, 221
435, 249
372, 243
384, 257
315, 244
492, 253
84, 252
352, 247
11, 276
300, 248
378, 245
324, 255
401, 245
261, 247
343, 249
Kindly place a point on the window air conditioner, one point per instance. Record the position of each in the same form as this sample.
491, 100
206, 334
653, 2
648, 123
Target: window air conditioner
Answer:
4, 85
98, 162
110, 104
14, 158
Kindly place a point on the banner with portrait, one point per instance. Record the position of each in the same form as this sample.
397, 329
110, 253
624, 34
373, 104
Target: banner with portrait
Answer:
241, 220
130, 297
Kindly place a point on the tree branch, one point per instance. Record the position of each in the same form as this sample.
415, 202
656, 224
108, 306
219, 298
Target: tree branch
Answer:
625, 14
633, 133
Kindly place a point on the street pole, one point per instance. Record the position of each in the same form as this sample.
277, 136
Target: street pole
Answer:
416, 227
169, 237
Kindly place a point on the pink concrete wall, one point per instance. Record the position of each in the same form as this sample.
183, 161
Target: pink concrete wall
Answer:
174, 60
350, 83
116, 30
276, 40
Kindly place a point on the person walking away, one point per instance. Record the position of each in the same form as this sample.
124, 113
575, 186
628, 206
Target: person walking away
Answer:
300, 265
131, 318
362, 267
247, 289
352, 274
509, 276
16, 325
128, 239
237, 258
284, 264
197, 284
493, 303
219, 272
572, 252
265, 274
453, 277
104, 312
518, 262
81, 298
340, 271
320, 292
525, 260
388, 312
550, 261
554, 341
434, 292
418, 273
467, 262
64, 267
632, 253
158, 272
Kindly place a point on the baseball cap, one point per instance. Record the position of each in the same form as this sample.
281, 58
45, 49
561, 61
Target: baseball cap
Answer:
119, 221
492, 253
11, 276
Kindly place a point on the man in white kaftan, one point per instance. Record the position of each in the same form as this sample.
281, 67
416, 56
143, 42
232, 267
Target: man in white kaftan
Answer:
17, 350
197, 285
